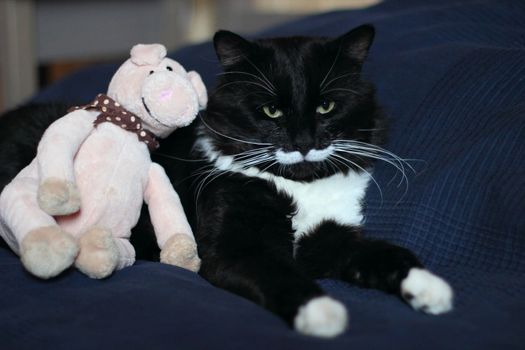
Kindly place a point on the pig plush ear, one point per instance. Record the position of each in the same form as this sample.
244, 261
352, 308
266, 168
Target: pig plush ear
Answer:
199, 87
150, 54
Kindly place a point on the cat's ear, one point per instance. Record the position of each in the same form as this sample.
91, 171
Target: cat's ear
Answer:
357, 42
230, 47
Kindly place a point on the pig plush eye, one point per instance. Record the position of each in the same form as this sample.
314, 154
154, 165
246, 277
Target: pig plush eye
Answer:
169, 68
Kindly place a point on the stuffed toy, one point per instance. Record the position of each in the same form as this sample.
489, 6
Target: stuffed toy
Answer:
78, 200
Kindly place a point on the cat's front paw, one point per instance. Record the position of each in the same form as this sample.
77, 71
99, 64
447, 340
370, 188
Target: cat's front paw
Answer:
321, 317
58, 197
180, 250
427, 292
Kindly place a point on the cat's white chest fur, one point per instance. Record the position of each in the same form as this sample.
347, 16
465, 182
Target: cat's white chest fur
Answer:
338, 197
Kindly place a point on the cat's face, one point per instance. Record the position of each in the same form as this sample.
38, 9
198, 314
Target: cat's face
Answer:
291, 106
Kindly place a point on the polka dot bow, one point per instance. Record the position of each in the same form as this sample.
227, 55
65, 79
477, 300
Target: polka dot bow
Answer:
112, 112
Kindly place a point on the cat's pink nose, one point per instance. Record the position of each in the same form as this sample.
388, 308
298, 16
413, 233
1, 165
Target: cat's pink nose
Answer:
166, 94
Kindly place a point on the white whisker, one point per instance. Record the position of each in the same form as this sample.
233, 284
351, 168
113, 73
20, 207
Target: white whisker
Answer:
341, 89
368, 146
270, 92
343, 159
331, 67
260, 72
337, 78
270, 87
230, 137
177, 158
356, 152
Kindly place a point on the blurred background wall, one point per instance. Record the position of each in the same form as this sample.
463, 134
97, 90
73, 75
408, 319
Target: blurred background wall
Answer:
43, 40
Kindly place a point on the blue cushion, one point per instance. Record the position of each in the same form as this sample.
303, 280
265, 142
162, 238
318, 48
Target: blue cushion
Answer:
450, 75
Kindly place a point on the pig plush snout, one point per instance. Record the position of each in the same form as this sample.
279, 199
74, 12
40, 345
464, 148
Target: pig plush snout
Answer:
169, 99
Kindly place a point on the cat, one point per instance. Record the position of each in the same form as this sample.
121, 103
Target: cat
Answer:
291, 132
281, 160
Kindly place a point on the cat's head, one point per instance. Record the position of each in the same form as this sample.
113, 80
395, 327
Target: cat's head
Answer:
296, 107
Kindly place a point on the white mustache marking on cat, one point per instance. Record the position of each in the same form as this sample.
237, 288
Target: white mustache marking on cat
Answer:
288, 157
318, 155
314, 155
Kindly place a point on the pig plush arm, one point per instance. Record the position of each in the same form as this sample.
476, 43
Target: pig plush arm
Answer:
57, 192
174, 234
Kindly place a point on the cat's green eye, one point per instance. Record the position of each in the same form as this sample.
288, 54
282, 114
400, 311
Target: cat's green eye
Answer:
272, 111
325, 107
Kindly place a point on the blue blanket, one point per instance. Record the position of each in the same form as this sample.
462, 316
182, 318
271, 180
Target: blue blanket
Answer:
451, 76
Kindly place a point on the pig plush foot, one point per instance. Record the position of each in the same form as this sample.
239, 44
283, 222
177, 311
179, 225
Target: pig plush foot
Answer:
47, 251
98, 253
181, 250
58, 197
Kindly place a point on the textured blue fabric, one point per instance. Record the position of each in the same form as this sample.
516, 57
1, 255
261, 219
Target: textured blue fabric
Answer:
451, 76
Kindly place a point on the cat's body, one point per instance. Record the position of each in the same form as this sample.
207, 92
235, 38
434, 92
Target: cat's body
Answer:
291, 132
287, 146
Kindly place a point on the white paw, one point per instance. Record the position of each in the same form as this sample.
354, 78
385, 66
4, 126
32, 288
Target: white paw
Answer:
427, 292
321, 317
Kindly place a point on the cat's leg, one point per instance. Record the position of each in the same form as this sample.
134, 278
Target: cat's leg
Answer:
245, 243
44, 248
279, 286
337, 251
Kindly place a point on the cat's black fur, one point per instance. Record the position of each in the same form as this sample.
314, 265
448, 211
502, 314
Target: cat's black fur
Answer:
242, 224
244, 228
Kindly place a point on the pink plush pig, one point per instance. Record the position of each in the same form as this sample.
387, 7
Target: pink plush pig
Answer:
78, 200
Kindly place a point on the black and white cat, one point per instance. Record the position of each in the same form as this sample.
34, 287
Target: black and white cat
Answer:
291, 132
290, 136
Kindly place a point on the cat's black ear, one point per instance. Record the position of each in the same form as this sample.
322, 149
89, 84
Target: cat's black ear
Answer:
357, 42
230, 47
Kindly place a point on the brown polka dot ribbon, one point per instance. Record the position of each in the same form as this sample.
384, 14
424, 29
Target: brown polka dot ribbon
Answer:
112, 112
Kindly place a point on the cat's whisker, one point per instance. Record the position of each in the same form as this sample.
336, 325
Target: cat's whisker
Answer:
280, 170
177, 158
323, 88
261, 73
250, 156
343, 160
356, 152
271, 87
269, 166
376, 152
199, 174
333, 165
214, 174
341, 89
196, 174
257, 161
271, 92
331, 67
247, 156
368, 146
230, 137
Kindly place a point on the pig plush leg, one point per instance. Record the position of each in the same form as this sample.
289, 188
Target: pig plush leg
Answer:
58, 197
101, 253
98, 255
181, 250
44, 248
173, 231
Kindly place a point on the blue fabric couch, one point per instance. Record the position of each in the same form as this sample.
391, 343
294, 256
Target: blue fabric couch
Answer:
451, 75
